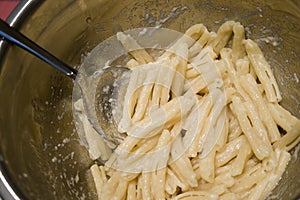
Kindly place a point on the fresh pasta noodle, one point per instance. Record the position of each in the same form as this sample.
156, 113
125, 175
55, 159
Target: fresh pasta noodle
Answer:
132, 63
191, 73
291, 135
225, 179
238, 49
145, 92
263, 71
98, 149
145, 185
132, 191
243, 66
207, 167
249, 85
173, 182
260, 147
234, 127
230, 150
223, 35
130, 100
197, 47
246, 181
139, 53
202, 120
97, 176
282, 117
242, 157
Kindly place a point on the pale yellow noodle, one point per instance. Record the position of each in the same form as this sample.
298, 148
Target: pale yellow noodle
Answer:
108, 189
239, 163
168, 113
132, 190
172, 182
250, 86
191, 73
238, 49
183, 168
201, 42
259, 147
130, 100
132, 63
162, 83
138, 52
245, 182
258, 126
263, 71
282, 117
243, 66
159, 175
145, 185
97, 177
207, 167
223, 35
145, 93
181, 56
234, 129
226, 179
204, 107
228, 196
230, 150
289, 137
191, 35
201, 122
274, 176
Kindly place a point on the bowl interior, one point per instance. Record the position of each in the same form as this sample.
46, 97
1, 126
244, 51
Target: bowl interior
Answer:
40, 148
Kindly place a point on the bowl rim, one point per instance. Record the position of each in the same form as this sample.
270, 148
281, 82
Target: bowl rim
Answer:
8, 189
16, 18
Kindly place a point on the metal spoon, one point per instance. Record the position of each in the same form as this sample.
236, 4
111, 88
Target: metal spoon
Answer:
12, 35
106, 129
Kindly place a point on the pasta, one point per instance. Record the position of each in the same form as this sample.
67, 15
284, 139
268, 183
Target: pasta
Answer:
202, 122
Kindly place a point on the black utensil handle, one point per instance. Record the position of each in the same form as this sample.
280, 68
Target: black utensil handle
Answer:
14, 36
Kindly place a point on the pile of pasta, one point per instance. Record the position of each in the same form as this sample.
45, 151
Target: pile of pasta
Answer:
203, 121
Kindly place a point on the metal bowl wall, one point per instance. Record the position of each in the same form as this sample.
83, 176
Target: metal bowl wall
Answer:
40, 154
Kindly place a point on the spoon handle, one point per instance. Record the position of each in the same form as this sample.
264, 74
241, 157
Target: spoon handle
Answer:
12, 35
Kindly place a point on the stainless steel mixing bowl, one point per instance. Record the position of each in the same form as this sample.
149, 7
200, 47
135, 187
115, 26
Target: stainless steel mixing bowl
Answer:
41, 156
